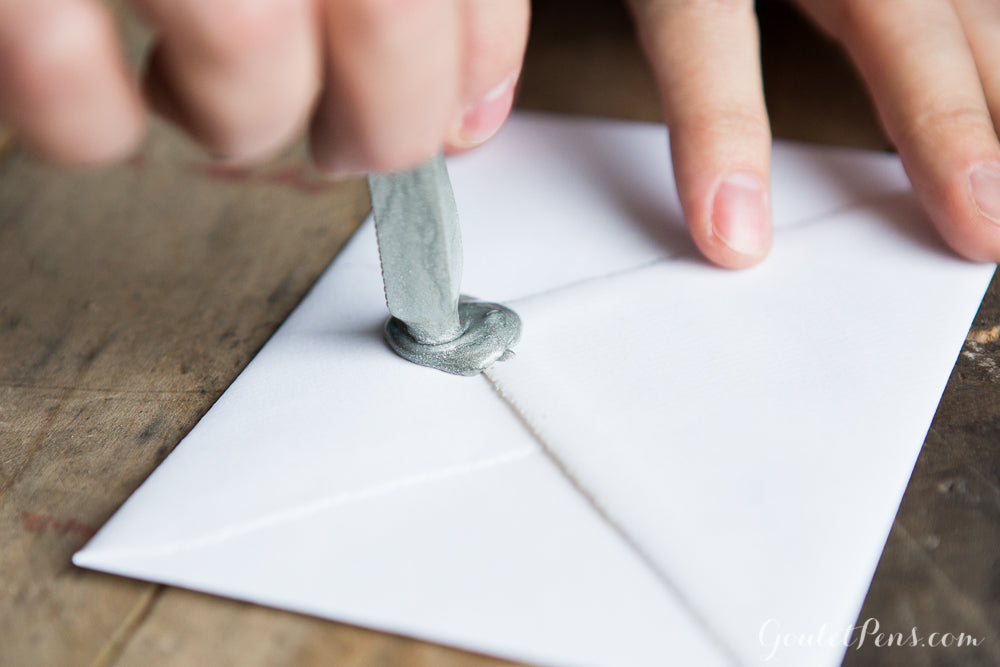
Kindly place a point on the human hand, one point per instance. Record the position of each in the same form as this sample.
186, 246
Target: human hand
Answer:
381, 84
933, 70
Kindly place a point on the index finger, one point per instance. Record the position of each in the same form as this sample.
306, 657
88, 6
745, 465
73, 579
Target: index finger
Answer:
706, 59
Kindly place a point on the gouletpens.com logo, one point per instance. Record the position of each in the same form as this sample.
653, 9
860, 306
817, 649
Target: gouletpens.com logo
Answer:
774, 637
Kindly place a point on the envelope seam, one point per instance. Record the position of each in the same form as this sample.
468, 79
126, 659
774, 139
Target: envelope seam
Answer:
322, 504
714, 636
694, 253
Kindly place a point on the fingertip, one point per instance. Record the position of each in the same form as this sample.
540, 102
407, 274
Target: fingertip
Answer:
736, 231
480, 122
984, 189
970, 221
99, 149
340, 148
333, 161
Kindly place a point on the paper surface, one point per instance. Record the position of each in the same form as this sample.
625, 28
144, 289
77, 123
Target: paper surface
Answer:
679, 463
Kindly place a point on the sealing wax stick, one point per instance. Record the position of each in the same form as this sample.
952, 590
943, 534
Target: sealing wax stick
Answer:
420, 246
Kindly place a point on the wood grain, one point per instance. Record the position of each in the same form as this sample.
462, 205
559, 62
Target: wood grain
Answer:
130, 299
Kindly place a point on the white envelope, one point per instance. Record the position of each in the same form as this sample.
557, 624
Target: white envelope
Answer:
681, 464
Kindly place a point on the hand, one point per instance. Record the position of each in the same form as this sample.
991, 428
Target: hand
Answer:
381, 84
932, 67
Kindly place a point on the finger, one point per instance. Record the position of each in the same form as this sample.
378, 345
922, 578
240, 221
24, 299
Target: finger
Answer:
494, 36
240, 76
64, 87
928, 93
981, 22
706, 59
392, 89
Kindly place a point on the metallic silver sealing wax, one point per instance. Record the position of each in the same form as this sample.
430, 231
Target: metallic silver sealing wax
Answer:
420, 245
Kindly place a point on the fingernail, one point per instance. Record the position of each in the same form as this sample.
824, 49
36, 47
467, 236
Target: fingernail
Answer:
481, 121
740, 216
984, 184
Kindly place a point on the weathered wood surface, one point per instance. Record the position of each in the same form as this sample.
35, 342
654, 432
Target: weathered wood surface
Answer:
939, 570
130, 299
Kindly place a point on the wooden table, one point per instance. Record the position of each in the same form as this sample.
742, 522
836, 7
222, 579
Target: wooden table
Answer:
131, 298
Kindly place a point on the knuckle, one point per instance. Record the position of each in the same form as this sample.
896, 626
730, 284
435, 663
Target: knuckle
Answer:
246, 142
726, 123
959, 115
